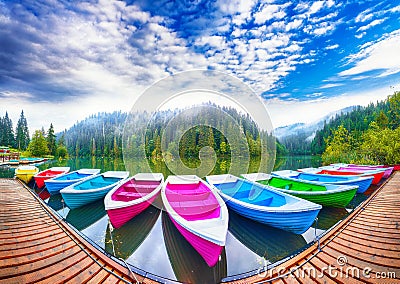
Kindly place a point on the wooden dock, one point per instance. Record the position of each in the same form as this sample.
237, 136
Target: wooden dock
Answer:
363, 248
36, 246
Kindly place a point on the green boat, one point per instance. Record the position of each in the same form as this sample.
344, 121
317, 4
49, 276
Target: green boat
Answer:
324, 194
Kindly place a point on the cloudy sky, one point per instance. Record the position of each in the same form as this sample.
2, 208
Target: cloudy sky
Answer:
61, 61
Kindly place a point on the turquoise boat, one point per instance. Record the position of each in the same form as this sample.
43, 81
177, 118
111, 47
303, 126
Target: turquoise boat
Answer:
264, 204
92, 189
54, 185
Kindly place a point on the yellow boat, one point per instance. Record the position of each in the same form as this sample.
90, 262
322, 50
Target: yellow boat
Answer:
26, 173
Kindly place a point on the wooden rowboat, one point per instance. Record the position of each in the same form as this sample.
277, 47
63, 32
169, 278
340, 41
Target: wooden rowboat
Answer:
92, 189
49, 173
26, 173
199, 214
324, 194
265, 204
129, 199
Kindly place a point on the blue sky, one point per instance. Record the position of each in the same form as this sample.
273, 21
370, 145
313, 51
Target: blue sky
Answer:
61, 61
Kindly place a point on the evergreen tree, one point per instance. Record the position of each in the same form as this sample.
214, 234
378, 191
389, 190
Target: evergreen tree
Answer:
51, 140
22, 133
1, 132
394, 110
38, 145
8, 132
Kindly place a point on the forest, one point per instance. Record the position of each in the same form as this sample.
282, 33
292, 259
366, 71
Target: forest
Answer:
182, 132
42, 143
367, 135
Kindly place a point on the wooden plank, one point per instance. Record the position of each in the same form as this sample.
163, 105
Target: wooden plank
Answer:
20, 252
365, 248
33, 265
39, 256
371, 242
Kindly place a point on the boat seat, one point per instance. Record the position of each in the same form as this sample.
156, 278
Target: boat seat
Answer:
128, 196
175, 196
99, 184
264, 202
145, 188
194, 207
84, 187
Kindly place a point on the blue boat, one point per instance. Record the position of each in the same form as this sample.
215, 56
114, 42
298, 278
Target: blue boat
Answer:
363, 183
264, 204
54, 185
92, 188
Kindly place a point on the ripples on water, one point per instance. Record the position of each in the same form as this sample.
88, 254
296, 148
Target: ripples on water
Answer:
151, 242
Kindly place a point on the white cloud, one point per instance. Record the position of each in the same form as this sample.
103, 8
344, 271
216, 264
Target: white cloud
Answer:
283, 112
269, 12
333, 46
296, 23
382, 54
316, 6
331, 85
372, 24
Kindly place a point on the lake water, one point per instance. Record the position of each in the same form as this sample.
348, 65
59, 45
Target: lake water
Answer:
150, 241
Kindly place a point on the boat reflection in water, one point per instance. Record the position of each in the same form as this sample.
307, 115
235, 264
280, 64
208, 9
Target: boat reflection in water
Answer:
270, 243
42, 193
188, 265
131, 235
56, 202
329, 216
84, 216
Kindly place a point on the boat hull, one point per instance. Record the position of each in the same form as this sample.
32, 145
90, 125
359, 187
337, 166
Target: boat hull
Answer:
199, 214
54, 188
208, 250
297, 222
120, 216
74, 200
335, 199
338, 196
377, 176
40, 181
362, 183
49, 173
27, 174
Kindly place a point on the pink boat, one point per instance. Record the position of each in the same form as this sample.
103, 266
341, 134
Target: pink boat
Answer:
388, 169
129, 199
199, 214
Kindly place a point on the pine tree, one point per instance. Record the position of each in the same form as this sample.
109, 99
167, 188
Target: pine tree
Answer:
1, 131
8, 132
51, 140
22, 133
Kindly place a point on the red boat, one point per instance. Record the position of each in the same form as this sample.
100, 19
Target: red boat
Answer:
49, 173
378, 175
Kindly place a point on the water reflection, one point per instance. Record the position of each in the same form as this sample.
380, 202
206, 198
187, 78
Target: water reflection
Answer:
85, 216
151, 242
56, 202
186, 262
329, 216
42, 193
264, 240
132, 234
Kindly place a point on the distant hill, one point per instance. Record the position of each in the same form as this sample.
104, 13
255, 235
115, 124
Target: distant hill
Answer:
297, 137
